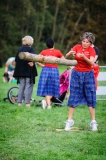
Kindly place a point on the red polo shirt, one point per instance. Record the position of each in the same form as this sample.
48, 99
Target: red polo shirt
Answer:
52, 52
82, 65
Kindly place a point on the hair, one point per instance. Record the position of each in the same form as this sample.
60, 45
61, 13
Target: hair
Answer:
27, 40
6, 76
89, 36
50, 43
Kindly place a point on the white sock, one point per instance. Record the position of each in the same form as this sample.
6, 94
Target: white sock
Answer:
93, 121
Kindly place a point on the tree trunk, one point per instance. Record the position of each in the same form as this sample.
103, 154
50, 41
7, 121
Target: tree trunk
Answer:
75, 26
46, 59
43, 21
63, 30
55, 18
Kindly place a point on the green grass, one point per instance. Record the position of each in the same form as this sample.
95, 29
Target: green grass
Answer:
30, 133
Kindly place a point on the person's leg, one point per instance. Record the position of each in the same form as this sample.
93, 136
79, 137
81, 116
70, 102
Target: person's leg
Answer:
48, 101
52, 85
70, 122
28, 91
93, 123
92, 112
90, 92
72, 100
21, 91
70, 113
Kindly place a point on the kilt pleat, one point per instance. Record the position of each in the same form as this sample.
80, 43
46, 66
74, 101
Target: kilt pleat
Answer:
82, 89
49, 82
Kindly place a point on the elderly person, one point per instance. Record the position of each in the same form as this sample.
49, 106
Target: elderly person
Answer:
25, 72
82, 83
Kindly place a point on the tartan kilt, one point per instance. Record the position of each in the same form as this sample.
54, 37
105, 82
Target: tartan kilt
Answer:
82, 89
49, 82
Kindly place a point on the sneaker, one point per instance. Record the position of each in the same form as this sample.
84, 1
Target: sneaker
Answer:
93, 125
49, 107
28, 105
44, 105
69, 124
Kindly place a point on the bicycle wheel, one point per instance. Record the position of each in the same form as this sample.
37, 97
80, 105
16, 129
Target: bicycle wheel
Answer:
13, 94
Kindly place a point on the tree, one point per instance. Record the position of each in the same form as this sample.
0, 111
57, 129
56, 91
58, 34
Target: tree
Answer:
63, 20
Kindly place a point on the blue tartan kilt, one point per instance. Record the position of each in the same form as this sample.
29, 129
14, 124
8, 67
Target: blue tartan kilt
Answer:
49, 82
82, 89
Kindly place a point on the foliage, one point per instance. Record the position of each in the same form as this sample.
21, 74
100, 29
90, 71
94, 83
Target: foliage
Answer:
63, 20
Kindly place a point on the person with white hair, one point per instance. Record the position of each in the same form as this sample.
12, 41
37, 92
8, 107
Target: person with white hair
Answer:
25, 72
82, 82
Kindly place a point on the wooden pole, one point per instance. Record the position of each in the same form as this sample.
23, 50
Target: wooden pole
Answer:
46, 59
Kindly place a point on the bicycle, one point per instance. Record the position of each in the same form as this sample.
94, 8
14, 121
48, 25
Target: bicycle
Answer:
12, 95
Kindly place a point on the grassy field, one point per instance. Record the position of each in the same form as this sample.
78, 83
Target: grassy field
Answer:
37, 134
